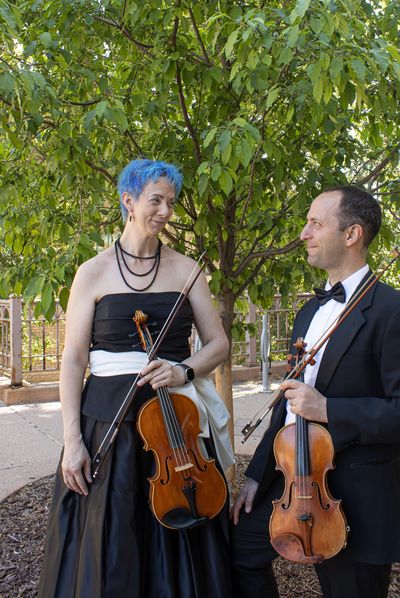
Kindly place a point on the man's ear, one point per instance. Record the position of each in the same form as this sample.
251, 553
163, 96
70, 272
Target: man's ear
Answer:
354, 234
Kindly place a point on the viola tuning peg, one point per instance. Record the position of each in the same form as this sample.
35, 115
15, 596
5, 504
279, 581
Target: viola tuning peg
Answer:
312, 362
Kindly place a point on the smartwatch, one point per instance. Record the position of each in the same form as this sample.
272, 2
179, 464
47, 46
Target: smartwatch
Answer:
189, 372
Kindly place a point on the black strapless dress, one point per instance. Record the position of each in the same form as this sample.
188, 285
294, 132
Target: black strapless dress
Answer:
108, 544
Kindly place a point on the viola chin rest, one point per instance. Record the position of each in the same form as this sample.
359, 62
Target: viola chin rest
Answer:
182, 519
290, 547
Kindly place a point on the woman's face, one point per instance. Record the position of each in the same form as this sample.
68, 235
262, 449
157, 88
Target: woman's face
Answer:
154, 206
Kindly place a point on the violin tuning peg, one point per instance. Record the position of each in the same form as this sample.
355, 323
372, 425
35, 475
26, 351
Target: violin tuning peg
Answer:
312, 362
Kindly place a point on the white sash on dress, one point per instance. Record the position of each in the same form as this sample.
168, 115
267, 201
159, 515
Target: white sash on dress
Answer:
212, 411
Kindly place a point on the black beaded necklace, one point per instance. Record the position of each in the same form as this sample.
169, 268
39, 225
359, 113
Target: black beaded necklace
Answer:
155, 266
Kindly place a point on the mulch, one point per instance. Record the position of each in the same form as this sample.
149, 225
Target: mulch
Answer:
22, 531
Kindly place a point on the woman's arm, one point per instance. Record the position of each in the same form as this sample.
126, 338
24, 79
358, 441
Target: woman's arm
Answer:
76, 461
215, 345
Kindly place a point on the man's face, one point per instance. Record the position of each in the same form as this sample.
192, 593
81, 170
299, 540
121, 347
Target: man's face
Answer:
325, 243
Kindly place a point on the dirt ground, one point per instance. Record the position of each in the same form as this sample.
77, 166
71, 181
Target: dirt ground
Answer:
23, 518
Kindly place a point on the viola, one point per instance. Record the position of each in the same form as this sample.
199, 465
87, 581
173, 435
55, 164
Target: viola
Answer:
307, 524
187, 488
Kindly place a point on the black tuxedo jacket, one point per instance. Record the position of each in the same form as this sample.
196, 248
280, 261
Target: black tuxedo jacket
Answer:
360, 376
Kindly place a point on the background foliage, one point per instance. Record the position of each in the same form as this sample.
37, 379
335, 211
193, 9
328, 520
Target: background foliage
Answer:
263, 104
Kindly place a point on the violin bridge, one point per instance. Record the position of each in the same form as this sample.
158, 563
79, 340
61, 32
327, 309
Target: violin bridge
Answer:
183, 467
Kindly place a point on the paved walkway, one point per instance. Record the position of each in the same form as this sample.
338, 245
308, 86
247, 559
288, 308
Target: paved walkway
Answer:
31, 436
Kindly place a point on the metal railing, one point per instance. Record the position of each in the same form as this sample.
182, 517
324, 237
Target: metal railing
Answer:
280, 322
31, 347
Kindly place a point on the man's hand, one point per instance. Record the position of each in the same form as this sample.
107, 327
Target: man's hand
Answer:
245, 498
305, 400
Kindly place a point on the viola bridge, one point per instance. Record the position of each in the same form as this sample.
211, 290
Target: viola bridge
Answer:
184, 467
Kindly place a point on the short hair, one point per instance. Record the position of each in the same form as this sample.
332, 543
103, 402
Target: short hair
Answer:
138, 173
357, 206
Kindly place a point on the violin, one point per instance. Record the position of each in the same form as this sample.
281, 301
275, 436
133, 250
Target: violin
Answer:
187, 489
307, 524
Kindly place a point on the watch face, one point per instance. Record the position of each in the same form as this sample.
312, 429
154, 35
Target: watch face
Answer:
189, 374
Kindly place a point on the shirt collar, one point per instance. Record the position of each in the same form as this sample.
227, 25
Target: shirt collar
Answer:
351, 282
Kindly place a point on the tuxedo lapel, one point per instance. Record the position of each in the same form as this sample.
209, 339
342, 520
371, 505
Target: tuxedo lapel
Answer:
342, 338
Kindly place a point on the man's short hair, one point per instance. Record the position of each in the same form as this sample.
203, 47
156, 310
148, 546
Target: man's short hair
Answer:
357, 206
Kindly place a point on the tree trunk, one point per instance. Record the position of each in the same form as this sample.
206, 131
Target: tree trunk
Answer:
223, 373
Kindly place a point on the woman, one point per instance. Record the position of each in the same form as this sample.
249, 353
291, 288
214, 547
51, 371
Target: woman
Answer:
103, 540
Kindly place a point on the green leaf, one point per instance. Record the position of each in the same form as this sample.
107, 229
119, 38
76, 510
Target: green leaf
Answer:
7, 82
226, 182
244, 152
100, 108
46, 296
63, 298
226, 154
65, 129
215, 172
8, 16
202, 184
34, 287
271, 97
45, 39
359, 68
118, 115
209, 137
336, 68
224, 140
228, 48
318, 90
293, 36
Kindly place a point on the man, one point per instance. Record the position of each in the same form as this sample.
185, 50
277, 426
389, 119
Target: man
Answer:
353, 389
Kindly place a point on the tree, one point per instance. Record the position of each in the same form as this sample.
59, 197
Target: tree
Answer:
261, 103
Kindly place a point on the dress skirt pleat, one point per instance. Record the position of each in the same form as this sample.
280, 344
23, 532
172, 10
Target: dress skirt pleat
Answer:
109, 545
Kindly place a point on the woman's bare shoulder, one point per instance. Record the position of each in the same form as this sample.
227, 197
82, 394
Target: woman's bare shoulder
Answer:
179, 259
96, 266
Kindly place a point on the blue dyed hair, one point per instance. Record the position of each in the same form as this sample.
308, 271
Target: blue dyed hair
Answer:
138, 173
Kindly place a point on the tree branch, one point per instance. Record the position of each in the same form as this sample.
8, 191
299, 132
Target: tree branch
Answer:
135, 143
199, 39
125, 32
88, 103
190, 128
98, 168
263, 256
377, 170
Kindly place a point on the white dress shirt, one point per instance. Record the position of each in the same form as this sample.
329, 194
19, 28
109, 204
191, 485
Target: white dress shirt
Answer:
323, 318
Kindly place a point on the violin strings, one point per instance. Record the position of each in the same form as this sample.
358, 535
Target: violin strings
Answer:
171, 427
180, 452
174, 432
166, 407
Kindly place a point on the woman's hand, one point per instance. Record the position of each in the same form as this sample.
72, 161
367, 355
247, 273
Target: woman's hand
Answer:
161, 373
76, 466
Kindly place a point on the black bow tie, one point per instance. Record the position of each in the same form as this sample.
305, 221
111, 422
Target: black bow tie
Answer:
337, 293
